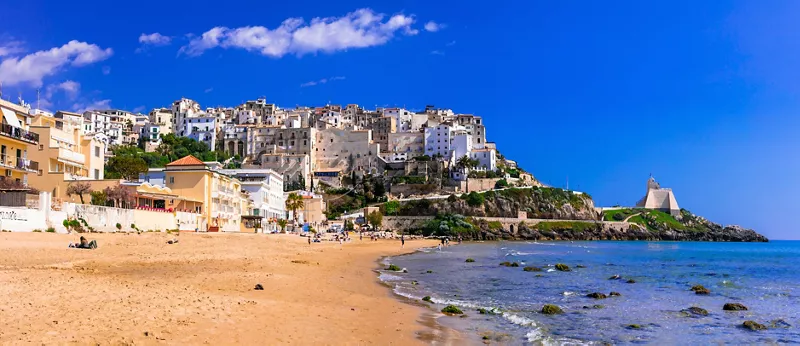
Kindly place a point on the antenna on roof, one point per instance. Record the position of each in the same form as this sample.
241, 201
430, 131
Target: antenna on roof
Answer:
37, 99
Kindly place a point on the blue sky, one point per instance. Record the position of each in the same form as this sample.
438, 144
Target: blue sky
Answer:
702, 94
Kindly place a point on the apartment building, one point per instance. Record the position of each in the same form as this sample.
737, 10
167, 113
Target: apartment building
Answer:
265, 189
64, 153
404, 146
15, 140
220, 193
345, 151
381, 129
106, 127
202, 128
181, 110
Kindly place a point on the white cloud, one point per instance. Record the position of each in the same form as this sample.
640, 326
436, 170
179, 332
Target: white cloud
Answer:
208, 90
451, 43
437, 52
106, 70
321, 81
433, 26
33, 67
71, 89
80, 107
139, 109
11, 48
154, 39
358, 29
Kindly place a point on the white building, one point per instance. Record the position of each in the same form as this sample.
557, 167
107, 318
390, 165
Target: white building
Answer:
202, 128
265, 188
487, 159
182, 110
448, 141
100, 125
402, 117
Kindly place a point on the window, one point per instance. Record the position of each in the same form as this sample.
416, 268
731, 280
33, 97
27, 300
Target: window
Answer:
172, 180
96, 152
96, 174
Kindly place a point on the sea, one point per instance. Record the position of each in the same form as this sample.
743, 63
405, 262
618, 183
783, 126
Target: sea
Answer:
765, 277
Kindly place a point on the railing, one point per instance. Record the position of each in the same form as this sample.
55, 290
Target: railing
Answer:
72, 156
27, 165
18, 133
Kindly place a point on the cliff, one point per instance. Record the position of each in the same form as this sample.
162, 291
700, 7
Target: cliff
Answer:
553, 214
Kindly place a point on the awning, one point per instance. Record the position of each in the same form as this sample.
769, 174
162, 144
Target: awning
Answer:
11, 117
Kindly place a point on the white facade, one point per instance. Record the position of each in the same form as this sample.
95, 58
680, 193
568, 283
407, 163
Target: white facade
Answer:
182, 110
265, 188
101, 126
487, 159
401, 116
447, 139
202, 129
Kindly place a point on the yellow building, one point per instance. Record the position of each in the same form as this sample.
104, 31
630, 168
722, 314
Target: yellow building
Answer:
220, 194
15, 164
64, 155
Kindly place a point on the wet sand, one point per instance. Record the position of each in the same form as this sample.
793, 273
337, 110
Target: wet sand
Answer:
137, 289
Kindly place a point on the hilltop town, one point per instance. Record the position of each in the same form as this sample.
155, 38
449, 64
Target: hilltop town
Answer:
339, 159
257, 167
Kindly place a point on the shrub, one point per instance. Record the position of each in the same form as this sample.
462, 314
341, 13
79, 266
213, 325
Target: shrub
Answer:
133, 226
551, 309
452, 198
50, 230
452, 310
562, 267
495, 225
37, 231
119, 226
532, 269
618, 216
502, 183
394, 268
426, 299
475, 199
470, 260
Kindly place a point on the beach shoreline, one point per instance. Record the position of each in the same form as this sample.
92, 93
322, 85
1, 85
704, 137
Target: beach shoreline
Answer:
136, 288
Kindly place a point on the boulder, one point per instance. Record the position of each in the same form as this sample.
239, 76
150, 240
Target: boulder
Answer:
562, 267
614, 294
734, 307
631, 281
699, 289
696, 311
532, 269
452, 310
753, 325
551, 309
615, 277
259, 287
597, 295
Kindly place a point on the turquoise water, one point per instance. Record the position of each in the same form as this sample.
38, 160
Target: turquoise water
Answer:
765, 277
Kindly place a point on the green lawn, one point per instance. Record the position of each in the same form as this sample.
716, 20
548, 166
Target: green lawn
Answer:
560, 225
609, 215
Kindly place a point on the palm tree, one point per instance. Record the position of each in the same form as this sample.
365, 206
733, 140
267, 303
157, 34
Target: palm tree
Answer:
466, 162
282, 224
294, 202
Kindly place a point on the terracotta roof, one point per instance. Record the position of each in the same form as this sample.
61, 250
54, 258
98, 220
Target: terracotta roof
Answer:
186, 161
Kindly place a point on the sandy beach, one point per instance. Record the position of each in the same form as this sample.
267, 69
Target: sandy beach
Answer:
137, 289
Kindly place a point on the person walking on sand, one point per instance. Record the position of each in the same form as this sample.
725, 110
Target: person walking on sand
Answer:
402, 241
309, 240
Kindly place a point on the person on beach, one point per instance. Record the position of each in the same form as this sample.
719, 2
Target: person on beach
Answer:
84, 244
309, 240
402, 241
360, 236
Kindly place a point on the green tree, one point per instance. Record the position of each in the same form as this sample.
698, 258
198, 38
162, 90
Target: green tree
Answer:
99, 198
392, 207
294, 202
79, 188
466, 163
375, 219
125, 167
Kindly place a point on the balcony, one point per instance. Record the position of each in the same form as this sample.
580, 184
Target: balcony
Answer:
19, 134
18, 163
71, 156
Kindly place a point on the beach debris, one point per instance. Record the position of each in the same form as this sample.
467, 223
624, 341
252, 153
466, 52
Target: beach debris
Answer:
615, 277
700, 289
426, 299
259, 287
734, 307
470, 260
393, 268
597, 295
300, 261
532, 269
696, 311
550, 309
146, 333
562, 267
614, 294
172, 241
452, 310
752, 325
631, 281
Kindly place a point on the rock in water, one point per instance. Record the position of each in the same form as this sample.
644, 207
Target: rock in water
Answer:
699, 289
597, 295
753, 325
734, 307
550, 309
562, 267
259, 287
615, 277
696, 311
631, 281
614, 294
